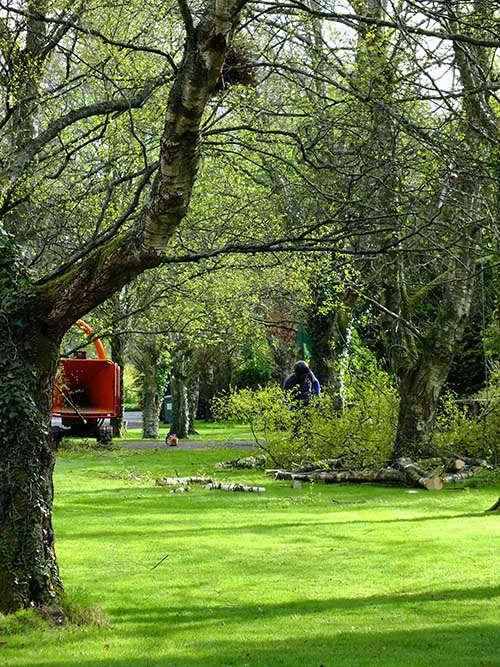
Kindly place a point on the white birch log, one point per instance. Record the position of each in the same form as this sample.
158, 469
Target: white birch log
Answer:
182, 481
234, 487
406, 472
460, 476
455, 465
341, 476
417, 476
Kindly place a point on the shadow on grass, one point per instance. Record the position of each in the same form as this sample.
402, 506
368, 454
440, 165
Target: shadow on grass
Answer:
220, 635
456, 646
242, 613
123, 503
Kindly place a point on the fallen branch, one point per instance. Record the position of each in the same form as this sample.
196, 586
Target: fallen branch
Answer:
461, 476
160, 562
471, 461
429, 474
418, 477
308, 465
456, 465
234, 487
182, 481
248, 462
388, 475
404, 471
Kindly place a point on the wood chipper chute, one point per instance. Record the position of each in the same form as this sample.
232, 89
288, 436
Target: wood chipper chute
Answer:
86, 393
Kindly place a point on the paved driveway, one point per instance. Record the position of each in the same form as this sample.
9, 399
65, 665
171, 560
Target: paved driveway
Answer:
134, 420
190, 446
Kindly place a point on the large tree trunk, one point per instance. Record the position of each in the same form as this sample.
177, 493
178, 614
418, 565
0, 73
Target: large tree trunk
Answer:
29, 574
423, 373
118, 356
419, 393
193, 398
329, 333
464, 206
148, 360
180, 395
422, 343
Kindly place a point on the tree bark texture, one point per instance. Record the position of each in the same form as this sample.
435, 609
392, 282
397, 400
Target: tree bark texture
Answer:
149, 357
118, 356
180, 424
29, 574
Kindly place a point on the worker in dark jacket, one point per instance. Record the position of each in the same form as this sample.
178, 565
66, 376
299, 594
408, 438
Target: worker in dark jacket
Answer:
302, 384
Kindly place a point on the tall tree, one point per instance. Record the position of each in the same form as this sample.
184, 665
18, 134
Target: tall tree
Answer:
34, 316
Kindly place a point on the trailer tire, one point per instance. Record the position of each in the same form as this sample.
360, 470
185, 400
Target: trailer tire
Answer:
104, 435
57, 435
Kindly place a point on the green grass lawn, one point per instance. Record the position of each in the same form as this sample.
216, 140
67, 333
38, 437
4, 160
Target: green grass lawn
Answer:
205, 431
336, 576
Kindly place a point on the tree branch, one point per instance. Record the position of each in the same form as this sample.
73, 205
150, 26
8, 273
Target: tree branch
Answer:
25, 156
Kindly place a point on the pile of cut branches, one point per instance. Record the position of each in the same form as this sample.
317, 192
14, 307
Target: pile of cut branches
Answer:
430, 474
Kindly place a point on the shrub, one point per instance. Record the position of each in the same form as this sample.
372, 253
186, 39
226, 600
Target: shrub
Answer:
477, 435
359, 435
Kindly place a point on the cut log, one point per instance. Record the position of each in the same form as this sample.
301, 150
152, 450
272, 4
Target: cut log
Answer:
455, 465
417, 477
462, 476
387, 475
471, 461
182, 481
308, 465
433, 483
406, 473
249, 462
403, 471
234, 487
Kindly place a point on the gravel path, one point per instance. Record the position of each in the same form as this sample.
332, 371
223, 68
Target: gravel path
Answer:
190, 446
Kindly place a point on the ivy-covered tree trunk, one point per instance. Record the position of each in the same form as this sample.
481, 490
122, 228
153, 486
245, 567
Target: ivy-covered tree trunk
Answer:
29, 574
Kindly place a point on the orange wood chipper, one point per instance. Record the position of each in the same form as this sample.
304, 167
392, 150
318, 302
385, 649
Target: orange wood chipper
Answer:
86, 393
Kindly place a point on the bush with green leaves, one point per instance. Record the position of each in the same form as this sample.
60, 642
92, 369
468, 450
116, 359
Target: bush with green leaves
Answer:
359, 435
463, 431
